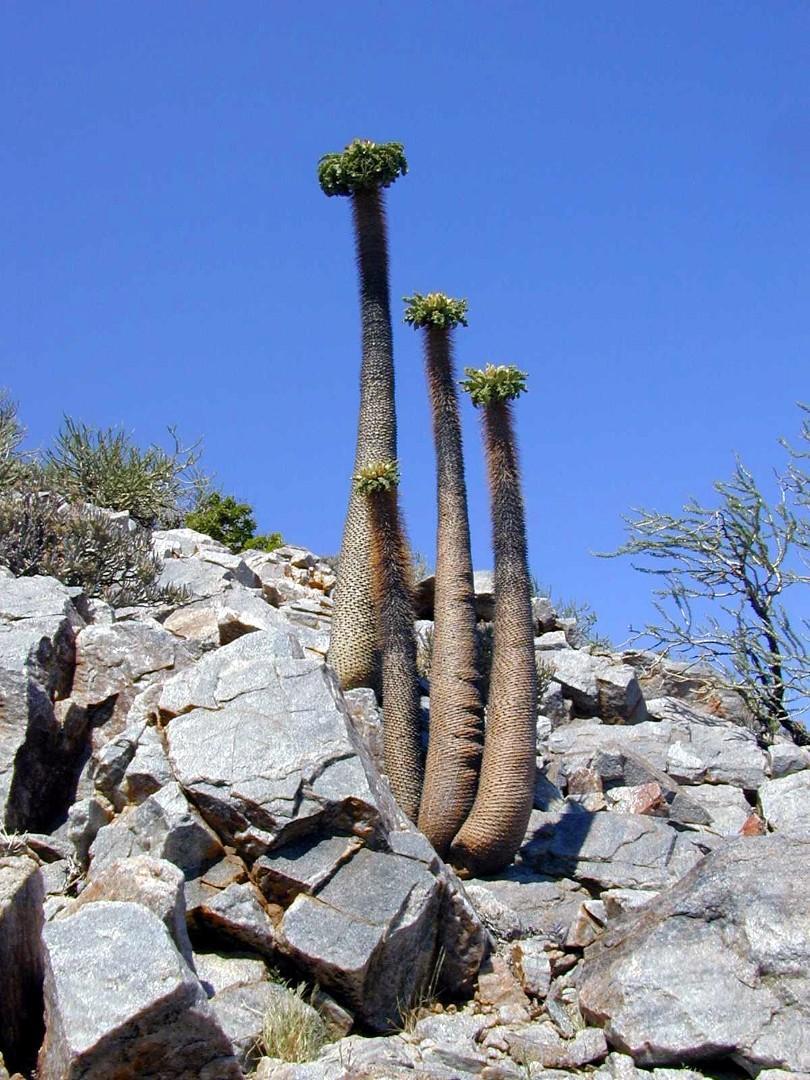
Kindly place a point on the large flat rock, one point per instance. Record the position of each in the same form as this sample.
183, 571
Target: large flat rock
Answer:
609, 850
264, 749
785, 803
718, 966
121, 1002
370, 934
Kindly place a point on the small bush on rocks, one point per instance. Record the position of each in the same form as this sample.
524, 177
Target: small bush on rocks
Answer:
11, 434
264, 542
42, 534
291, 1030
104, 467
224, 519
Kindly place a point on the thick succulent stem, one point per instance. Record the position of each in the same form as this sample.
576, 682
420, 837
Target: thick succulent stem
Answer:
353, 649
497, 823
393, 601
456, 714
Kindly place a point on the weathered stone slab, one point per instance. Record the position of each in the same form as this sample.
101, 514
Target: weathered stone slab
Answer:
598, 686
727, 807
267, 756
240, 1009
38, 597
606, 849
177, 543
164, 826
786, 758
124, 658
523, 903
370, 934
154, 883
707, 749
786, 803
120, 1001
32, 754
302, 867
216, 971
21, 898
718, 966
200, 577
580, 742
225, 617
235, 914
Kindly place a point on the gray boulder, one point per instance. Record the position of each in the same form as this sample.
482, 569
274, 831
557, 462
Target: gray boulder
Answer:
38, 753
541, 1043
785, 803
706, 749
597, 685
609, 850
726, 806
121, 1001
235, 914
164, 826
264, 748
217, 971
718, 966
182, 543
578, 743
210, 573
241, 1008
117, 662
786, 758
21, 898
370, 934
223, 618
523, 903
154, 883
38, 597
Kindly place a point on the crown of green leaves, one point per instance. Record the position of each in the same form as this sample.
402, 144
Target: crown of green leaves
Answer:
361, 166
381, 476
435, 309
494, 383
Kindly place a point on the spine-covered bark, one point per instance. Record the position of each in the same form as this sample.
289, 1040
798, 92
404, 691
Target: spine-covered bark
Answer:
352, 650
393, 602
497, 823
456, 714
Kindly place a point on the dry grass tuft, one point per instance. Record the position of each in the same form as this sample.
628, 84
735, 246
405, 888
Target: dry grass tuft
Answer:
292, 1030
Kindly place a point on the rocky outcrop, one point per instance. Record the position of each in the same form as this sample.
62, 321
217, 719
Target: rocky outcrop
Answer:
21, 918
229, 820
719, 966
121, 1001
39, 749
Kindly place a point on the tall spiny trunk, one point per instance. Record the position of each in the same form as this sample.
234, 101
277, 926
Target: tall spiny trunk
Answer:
352, 651
393, 601
497, 824
456, 714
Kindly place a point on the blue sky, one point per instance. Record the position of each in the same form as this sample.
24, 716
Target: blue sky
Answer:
620, 190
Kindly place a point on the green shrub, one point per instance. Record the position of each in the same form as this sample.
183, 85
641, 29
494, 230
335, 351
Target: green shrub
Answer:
223, 518
42, 534
264, 542
11, 434
104, 467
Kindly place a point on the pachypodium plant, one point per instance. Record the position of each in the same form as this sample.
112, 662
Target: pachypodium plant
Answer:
456, 713
362, 172
497, 823
392, 594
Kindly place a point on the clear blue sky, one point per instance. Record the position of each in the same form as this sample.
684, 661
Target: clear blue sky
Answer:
621, 191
